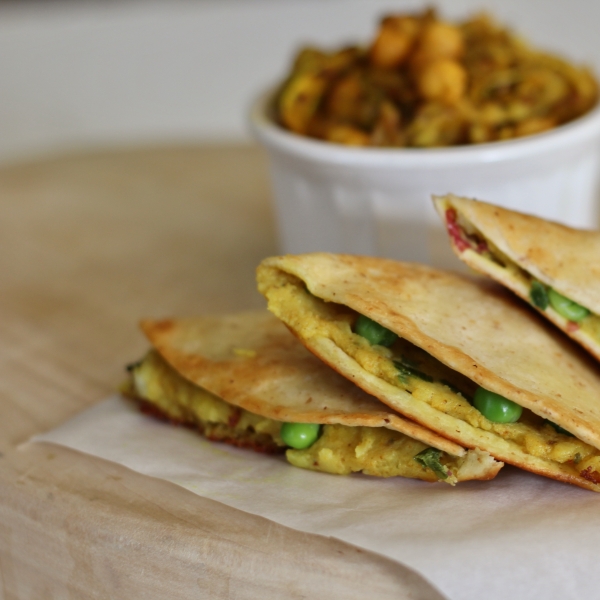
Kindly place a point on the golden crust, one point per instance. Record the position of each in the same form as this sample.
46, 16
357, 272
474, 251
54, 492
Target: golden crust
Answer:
250, 360
471, 326
562, 257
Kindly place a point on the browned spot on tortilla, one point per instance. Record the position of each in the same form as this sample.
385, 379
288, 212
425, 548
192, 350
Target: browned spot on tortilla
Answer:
163, 325
590, 475
241, 442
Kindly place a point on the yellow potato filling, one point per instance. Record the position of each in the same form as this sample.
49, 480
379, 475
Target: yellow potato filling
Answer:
340, 449
406, 366
591, 326
155, 382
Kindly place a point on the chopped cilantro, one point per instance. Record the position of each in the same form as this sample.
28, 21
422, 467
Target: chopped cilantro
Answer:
409, 362
133, 366
405, 371
373, 332
559, 429
539, 295
430, 458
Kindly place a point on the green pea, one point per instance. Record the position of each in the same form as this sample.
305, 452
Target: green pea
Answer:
300, 435
495, 407
373, 332
567, 308
539, 295
430, 458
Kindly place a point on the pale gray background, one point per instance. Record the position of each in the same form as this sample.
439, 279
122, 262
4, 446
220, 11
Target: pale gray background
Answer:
93, 74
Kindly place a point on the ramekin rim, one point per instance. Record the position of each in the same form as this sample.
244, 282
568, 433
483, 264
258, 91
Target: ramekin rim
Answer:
582, 129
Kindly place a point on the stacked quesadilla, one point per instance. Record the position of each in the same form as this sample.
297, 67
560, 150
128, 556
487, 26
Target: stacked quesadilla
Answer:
461, 357
398, 369
553, 267
245, 380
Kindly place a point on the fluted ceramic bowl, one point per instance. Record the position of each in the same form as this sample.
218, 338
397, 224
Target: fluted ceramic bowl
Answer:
377, 201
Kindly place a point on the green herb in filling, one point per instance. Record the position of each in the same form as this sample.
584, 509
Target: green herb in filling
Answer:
405, 371
430, 458
539, 295
131, 367
373, 332
559, 429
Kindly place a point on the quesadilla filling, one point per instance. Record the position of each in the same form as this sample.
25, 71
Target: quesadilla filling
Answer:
567, 313
339, 449
426, 379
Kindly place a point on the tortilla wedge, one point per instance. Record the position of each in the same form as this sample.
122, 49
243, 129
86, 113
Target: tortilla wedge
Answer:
456, 333
526, 253
238, 377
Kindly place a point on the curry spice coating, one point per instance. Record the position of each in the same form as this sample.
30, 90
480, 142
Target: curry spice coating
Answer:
426, 82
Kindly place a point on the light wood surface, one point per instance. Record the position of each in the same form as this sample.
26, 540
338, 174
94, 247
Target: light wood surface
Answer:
89, 244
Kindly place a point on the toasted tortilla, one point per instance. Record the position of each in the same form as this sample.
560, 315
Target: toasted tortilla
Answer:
516, 249
466, 332
251, 361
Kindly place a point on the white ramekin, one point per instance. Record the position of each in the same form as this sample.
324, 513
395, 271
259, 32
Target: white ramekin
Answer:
377, 201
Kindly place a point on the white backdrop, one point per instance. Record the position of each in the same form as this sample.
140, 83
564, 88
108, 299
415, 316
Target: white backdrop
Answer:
80, 75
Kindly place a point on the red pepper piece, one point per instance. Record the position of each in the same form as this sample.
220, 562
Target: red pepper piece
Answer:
455, 231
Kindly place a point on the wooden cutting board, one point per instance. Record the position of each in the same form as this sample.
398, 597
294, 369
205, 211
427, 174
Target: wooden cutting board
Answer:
89, 244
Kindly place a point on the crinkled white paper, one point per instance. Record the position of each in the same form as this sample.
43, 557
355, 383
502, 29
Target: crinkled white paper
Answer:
519, 536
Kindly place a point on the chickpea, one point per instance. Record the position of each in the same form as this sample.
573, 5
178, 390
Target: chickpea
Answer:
394, 42
441, 40
426, 82
442, 79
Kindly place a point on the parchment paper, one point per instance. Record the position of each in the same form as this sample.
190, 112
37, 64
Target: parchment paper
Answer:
519, 536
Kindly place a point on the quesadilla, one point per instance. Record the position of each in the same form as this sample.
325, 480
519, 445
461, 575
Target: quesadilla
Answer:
244, 379
436, 347
553, 267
